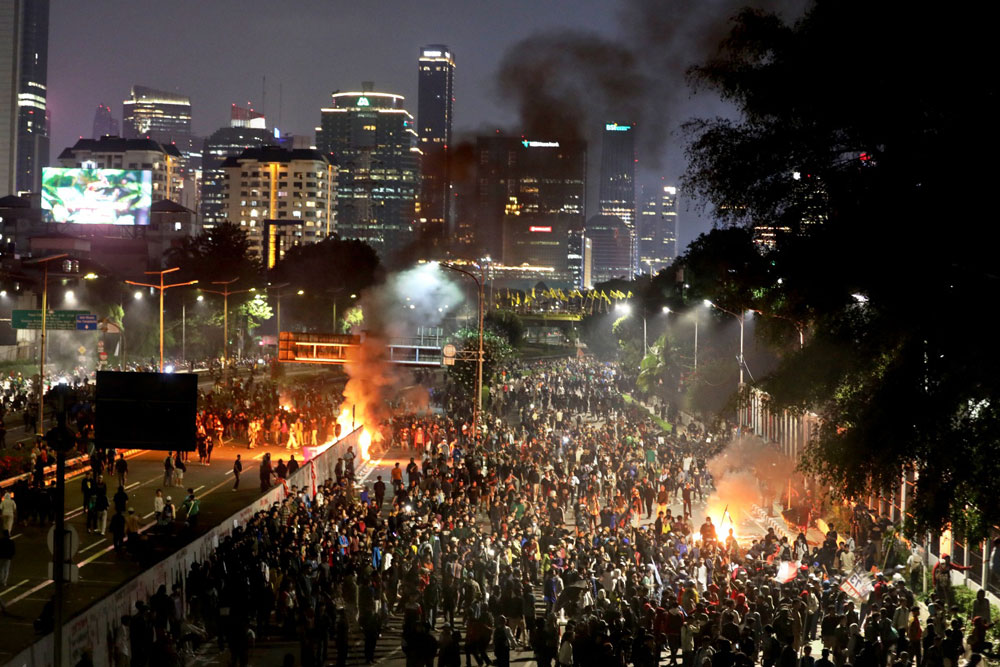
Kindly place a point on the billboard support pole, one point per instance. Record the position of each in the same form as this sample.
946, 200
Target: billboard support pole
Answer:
44, 261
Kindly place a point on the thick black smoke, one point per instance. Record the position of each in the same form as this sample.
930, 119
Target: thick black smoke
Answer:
568, 84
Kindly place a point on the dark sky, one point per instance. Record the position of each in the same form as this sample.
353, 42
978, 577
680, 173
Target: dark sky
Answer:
217, 51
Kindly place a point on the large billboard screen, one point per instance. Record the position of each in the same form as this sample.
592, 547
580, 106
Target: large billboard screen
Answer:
97, 196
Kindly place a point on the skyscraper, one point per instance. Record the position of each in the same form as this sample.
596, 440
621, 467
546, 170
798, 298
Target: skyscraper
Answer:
105, 124
435, 96
247, 129
657, 227
531, 201
156, 114
24, 126
372, 140
10, 30
616, 193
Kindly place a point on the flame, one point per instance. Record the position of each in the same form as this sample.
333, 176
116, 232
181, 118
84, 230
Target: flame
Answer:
364, 442
344, 421
724, 518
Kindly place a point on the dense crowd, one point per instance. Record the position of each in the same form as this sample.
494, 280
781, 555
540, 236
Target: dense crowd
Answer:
568, 529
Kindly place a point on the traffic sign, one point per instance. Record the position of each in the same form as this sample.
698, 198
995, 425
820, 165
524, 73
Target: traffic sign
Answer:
86, 322
71, 541
448, 350
56, 320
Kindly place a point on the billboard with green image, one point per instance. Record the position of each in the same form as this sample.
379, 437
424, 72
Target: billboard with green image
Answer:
97, 196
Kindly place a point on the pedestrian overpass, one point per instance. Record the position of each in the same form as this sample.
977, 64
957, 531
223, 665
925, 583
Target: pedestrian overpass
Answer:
424, 349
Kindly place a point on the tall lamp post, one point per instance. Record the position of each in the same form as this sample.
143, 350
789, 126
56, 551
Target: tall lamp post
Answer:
799, 326
739, 318
163, 288
44, 261
478, 405
226, 292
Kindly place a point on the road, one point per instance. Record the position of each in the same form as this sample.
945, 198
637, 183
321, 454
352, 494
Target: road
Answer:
101, 570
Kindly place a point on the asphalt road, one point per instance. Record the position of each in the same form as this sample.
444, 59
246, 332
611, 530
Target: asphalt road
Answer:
101, 569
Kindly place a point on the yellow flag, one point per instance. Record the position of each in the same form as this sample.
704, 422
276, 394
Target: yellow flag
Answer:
629, 295
532, 292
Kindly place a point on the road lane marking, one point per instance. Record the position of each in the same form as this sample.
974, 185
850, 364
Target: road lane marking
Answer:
17, 585
30, 592
88, 548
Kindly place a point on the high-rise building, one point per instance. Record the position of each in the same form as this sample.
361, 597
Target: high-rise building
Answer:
105, 125
247, 129
657, 228
372, 140
10, 31
274, 194
616, 192
525, 187
435, 97
611, 248
144, 154
156, 114
24, 123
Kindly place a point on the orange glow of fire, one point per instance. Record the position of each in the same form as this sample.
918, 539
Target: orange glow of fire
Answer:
364, 442
724, 519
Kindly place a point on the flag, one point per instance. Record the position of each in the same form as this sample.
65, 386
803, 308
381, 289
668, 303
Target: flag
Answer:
787, 571
532, 292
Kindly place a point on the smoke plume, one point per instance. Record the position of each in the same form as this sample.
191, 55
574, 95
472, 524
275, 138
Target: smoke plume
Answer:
568, 84
393, 312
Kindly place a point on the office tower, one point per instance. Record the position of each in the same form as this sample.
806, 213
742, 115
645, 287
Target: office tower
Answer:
372, 140
144, 154
611, 248
531, 200
247, 129
616, 193
657, 227
105, 125
156, 114
274, 194
10, 30
24, 125
435, 96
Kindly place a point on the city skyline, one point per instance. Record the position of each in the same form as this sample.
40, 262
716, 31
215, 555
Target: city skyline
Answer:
484, 35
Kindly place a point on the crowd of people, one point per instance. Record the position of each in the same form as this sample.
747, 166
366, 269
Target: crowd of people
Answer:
569, 529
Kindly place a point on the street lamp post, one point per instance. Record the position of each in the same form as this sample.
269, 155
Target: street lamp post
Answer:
44, 261
478, 404
740, 319
163, 288
226, 292
799, 326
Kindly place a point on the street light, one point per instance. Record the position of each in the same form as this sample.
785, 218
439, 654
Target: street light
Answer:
225, 292
799, 326
44, 261
163, 288
739, 318
478, 404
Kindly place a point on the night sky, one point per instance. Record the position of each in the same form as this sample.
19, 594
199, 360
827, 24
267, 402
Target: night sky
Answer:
218, 51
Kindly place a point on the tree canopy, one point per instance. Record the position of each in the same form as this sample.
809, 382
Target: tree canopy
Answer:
859, 130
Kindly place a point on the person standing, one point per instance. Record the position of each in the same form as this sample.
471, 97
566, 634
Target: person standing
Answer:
7, 549
121, 468
8, 511
168, 470
132, 528
118, 531
265, 473
101, 505
158, 504
237, 469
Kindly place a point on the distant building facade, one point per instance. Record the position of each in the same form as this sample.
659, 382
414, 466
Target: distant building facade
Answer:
526, 183
24, 122
616, 191
611, 248
105, 125
246, 129
371, 137
274, 184
435, 100
657, 227
117, 153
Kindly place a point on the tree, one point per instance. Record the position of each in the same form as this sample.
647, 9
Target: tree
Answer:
660, 371
326, 273
505, 323
853, 151
496, 350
